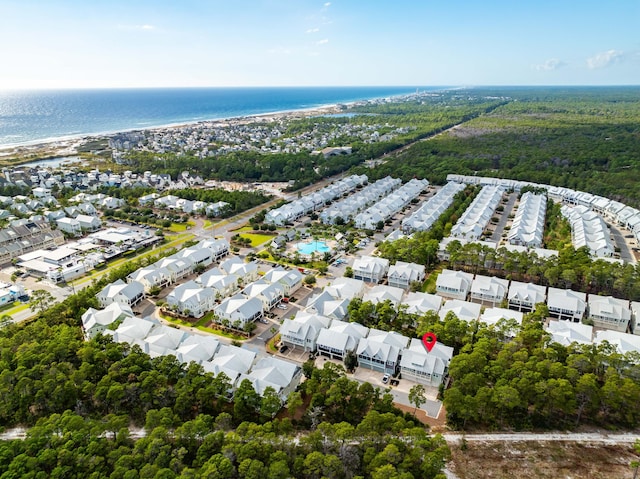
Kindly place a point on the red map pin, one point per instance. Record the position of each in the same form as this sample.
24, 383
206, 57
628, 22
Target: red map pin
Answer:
429, 340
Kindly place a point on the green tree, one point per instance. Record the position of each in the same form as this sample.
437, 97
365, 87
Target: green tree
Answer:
417, 396
40, 300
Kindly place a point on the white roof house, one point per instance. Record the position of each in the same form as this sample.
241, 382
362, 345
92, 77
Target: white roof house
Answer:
491, 317
197, 348
454, 284
240, 308
133, 330
424, 218
623, 342
244, 272
89, 223
381, 293
524, 296
192, 299
129, 294
303, 330
566, 332
419, 303
151, 277
609, 312
326, 305
290, 280
489, 290
179, 267
635, 317
429, 368
269, 293
219, 247
283, 376
223, 284
566, 304
462, 309
232, 361
381, 351
371, 269
589, 230
163, 340
346, 288
69, 225
196, 255
339, 338
528, 224
402, 274
95, 321
476, 217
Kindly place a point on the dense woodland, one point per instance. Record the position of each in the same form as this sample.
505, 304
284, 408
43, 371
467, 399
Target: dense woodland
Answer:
581, 138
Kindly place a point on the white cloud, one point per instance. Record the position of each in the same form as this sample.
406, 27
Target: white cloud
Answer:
313, 30
143, 28
550, 65
323, 41
604, 59
328, 4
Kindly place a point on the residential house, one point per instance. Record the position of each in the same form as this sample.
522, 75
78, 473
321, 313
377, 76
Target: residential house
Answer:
624, 343
566, 304
240, 310
128, 294
151, 277
454, 284
133, 330
223, 284
462, 309
163, 341
232, 361
425, 367
381, 351
371, 269
346, 288
402, 274
489, 290
191, 299
635, 317
567, 332
69, 225
95, 321
244, 272
290, 280
325, 304
283, 376
179, 267
419, 303
219, 247
528, 224
198, 256
381, 293
524, 296
269, 293
340, 338
197, 348
89, 223
609, 312
303, 330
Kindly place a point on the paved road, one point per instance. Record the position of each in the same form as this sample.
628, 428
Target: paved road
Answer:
622, 245
504, 217
554, 436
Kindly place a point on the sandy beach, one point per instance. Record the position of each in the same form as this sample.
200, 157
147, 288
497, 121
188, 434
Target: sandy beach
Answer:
19, 154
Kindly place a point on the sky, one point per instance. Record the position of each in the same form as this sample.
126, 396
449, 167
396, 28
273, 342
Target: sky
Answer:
200, 43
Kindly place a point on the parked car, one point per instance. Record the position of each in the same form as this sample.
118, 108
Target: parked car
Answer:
385, 378
284, 349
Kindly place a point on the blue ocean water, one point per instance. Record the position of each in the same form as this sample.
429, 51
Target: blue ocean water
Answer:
37, 116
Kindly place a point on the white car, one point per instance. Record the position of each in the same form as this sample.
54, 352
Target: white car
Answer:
385, 378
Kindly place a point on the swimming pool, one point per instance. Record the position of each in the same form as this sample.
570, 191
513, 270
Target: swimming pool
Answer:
313, 247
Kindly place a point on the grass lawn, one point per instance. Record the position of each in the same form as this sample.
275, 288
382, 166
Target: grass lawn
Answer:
243, 228
429, 285
15, 309
200, 325
181, 227
257, 239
